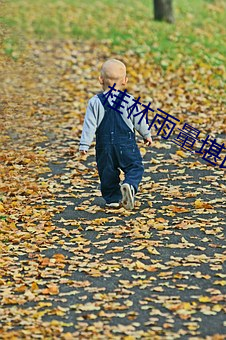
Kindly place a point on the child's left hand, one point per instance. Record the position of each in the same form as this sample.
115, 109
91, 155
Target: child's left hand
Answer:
148, 141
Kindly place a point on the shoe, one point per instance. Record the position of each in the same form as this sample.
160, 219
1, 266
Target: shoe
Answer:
128, 194
113, 205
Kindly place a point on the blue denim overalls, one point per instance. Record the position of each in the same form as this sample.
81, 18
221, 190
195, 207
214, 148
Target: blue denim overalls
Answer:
116, 149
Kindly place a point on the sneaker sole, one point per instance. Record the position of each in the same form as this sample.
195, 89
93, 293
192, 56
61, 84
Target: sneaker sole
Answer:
112, 205
127, 197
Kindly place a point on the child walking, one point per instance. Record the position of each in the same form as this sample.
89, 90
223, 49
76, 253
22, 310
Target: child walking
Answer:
116, 147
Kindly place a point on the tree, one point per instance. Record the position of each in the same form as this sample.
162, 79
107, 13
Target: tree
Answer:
163, 10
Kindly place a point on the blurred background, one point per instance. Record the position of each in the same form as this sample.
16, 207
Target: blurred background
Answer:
198, 29
177, 61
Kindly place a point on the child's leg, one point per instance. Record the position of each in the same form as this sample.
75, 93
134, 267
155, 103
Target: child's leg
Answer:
131, 164
107, 166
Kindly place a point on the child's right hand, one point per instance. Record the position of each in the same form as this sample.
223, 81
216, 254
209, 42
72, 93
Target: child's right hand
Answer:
83, 152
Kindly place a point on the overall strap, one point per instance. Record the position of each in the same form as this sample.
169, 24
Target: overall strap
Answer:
103, 100
112, 129
106, 103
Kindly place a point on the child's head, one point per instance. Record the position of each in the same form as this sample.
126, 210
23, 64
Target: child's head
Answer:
113, 71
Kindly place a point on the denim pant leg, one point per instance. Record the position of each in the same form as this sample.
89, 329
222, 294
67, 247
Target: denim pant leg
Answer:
131, 164
107, 166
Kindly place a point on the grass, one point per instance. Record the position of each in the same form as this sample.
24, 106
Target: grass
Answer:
198, 32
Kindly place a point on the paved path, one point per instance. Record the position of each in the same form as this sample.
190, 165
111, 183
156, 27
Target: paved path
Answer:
74, 270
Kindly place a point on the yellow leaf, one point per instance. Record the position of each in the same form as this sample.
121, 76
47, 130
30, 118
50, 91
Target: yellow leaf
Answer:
160, 227
78, 239
34, 286
181, 153
155, 161
193, 326
204, 299
158, 289
222, 282
115, 250
187, 305
140, 265
12, 225
67, 336
44, 304
153, 251
200, 204
143, 151
217, 308
100, 221
20, 289
59, 257
38, 315
53, 289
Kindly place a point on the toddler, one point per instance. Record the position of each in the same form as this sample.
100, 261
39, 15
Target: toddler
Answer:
108, 116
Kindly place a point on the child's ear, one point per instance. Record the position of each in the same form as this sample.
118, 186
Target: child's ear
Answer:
101, 80
125, 81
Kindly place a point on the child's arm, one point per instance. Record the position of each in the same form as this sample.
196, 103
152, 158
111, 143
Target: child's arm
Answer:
142, 128
89, 128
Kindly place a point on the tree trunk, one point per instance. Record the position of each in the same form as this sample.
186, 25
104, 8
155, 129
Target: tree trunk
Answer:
163, 10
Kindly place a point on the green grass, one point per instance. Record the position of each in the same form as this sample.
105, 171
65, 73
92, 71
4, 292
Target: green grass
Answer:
198, 31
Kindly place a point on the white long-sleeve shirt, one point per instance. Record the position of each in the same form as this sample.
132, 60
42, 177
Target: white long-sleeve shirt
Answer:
95, 113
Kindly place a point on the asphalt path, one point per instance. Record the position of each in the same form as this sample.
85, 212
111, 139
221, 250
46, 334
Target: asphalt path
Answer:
156, 272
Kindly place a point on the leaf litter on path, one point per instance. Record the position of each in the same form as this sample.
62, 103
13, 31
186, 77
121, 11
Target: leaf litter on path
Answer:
70, 268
